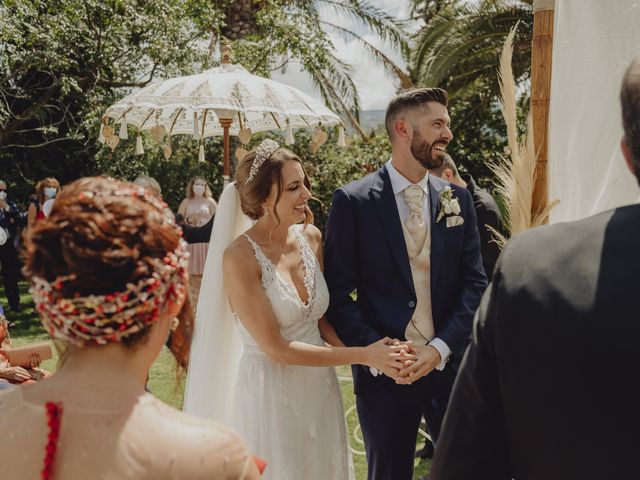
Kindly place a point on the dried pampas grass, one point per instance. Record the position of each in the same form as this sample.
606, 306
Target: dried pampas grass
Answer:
515, 176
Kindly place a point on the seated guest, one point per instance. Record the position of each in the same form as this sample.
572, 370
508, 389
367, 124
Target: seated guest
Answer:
109, 276
16, 374
549, 387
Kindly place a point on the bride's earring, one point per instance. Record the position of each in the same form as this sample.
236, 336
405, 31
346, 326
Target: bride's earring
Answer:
174, 324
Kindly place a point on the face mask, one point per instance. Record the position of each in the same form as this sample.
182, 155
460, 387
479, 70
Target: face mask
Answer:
50, 192
3, 195
198, 190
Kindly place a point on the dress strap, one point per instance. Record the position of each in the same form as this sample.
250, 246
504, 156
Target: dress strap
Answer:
308, 256
311, 264
267, 267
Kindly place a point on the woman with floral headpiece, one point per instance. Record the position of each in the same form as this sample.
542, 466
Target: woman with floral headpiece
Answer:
109, 279
263, 353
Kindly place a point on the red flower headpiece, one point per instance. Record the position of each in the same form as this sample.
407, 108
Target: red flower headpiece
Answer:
102, 319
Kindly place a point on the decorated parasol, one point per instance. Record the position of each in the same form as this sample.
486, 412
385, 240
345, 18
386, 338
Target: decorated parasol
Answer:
226, 100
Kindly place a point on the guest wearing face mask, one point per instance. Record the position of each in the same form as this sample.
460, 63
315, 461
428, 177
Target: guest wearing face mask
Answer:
197, 210
46, 190
10, 217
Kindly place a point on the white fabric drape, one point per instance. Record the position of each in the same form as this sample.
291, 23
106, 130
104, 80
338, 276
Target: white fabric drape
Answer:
594, 42
216, 347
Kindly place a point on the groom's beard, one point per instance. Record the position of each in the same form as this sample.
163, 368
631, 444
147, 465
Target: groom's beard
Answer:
424, 153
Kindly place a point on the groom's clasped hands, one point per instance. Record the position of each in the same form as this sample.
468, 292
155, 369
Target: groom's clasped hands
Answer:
403, 361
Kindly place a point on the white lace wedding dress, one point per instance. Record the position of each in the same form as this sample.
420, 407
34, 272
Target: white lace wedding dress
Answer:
292, 415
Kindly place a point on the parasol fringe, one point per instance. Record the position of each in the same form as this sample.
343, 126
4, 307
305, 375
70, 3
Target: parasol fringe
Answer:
139, 147
123, 134
288, 138
342, 142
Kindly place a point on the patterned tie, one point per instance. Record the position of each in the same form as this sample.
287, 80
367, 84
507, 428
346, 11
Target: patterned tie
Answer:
420, 328
416, 226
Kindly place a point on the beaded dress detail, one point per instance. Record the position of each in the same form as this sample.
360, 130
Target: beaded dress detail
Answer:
288, 414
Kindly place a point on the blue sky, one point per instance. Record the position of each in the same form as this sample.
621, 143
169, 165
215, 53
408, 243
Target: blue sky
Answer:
375, 86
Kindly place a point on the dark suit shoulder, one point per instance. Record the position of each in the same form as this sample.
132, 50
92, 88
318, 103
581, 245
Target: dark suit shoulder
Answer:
360, 188
570, 253
483, 199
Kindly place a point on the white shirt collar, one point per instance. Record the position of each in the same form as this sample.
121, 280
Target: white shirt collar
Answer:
400, 184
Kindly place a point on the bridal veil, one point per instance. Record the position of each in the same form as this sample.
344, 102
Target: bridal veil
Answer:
216, 346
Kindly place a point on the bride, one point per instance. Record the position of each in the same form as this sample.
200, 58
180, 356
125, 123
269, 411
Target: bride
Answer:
262, 352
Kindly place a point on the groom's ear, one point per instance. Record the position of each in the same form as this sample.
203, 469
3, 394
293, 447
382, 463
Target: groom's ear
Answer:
403, 129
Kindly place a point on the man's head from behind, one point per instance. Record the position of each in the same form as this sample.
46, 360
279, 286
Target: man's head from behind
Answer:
630, 100
448, 171
417, 122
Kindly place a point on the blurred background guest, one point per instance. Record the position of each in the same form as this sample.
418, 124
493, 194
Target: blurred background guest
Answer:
16, 374
109, 276
197, 211
46, 189
487, 211
150, 183
10, 218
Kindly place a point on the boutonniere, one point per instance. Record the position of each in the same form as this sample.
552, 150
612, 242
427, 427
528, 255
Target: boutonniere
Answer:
449, 207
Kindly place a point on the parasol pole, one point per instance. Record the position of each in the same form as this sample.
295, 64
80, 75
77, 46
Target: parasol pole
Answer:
226, 123
225, 52
541, 55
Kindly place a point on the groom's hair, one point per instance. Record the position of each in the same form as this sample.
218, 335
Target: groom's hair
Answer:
413, 99
630, 100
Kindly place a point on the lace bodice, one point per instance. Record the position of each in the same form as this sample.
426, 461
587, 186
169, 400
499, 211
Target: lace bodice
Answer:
297, 320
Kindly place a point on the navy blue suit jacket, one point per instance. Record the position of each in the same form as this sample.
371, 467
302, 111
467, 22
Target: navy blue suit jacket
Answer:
365, 251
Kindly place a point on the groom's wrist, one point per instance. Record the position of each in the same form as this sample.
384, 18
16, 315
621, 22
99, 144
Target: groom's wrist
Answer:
444, 351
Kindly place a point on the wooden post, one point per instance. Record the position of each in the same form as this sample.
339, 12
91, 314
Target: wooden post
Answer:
541, 52
226, 123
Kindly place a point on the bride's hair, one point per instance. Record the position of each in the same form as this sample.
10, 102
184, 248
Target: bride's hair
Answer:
254, 193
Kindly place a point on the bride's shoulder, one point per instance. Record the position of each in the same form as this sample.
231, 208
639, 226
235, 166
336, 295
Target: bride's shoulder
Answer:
206, 449
311, 234
240, 253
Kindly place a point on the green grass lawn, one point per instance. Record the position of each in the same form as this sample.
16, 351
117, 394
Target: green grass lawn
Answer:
168, 387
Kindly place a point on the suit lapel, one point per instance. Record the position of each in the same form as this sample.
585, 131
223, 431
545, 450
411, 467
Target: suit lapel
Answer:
382, 194
437, 234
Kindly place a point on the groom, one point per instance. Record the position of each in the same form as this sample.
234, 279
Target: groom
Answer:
407, 244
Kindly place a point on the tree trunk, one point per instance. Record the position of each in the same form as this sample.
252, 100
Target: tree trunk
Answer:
240, 19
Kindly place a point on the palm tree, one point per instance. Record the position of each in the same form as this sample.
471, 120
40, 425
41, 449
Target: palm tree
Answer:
459, 49
271, 35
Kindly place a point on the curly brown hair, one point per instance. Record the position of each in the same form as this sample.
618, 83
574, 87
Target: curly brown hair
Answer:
254, 193
105, 239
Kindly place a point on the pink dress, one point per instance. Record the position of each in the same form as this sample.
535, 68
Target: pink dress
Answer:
197, 214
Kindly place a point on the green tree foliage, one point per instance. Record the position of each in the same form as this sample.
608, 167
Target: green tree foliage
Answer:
63, 62
284, 32
333, 167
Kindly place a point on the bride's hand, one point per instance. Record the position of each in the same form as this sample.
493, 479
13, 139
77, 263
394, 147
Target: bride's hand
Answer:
389, 356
